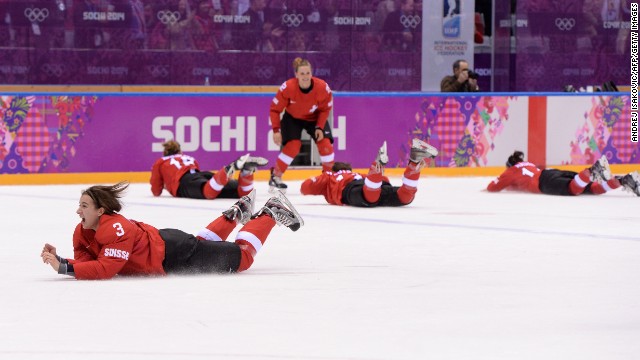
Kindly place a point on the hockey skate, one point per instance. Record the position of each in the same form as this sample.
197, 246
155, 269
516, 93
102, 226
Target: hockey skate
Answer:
631, 182
377, 167
242, 210
420, 150
253, 162
383, 157
282, 211
276, 184
238, 164
600, 170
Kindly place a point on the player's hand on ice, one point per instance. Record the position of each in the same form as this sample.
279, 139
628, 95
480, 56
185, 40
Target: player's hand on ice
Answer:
51, 259
48, 248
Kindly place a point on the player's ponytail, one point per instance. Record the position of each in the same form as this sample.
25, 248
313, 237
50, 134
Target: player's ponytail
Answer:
297, 62
516, 157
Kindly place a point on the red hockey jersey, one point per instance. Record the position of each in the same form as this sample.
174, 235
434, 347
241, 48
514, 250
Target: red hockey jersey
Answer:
523, 176
119, 246
167, 171
330, 184
314, 106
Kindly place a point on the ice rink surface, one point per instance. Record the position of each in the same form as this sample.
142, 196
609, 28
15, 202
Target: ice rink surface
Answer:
458, 274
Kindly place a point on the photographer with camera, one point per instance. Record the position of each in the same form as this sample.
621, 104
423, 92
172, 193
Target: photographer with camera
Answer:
462, 80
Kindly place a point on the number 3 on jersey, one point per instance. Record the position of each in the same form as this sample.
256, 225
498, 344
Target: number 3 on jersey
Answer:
119, 229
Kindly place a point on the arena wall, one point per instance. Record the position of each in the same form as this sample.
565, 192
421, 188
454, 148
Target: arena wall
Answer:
104, 136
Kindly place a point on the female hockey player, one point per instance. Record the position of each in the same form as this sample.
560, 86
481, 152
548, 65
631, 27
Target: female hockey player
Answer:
524, 176
307, 102
341, 186
180, 174
106, 244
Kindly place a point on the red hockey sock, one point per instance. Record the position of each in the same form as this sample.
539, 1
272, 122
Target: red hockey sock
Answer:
407, 191
286, 156
373, 184
212, 188
245, 184
218, 230
325, 149
580, 181
601, 188
251, 238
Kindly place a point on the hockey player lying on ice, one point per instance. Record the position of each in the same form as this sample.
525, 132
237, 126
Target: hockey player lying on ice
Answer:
524, 176
106, 244
180, 174
341, 186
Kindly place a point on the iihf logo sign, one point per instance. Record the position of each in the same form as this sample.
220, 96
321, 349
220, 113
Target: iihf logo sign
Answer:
451, 18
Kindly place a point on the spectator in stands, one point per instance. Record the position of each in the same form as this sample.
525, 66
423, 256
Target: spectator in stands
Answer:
325, 34
228, 30
400, 28
92, 33
462, 80
138, 35
171, 25
261, 29
203, 29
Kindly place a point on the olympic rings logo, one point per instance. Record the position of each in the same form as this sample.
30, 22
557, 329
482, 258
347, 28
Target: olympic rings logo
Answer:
158, 70
292, 20
53, 69
618, 72
410, 21
533, 71
264, 72
168, 17
565, 24
359, 72
36, 15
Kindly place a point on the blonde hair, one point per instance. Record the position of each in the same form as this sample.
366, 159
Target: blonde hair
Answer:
297, 62
171, 147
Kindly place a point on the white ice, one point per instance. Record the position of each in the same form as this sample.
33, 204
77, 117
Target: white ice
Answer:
458, 274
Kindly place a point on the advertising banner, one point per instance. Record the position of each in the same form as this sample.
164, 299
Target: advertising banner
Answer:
111, 133
590, 127
447, 35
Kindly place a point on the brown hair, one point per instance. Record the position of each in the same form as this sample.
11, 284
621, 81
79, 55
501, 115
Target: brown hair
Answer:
107, 197
297, 62
171, 147
339, 166
515, 158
